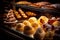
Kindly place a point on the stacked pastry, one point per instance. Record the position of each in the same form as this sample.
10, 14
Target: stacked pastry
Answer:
10, 19
10, 16
28, 29
20, 14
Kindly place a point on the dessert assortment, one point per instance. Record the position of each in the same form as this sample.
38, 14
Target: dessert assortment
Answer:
26, 22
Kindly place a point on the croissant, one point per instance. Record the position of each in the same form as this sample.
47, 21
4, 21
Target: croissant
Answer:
22, 13
24, 2
30, 13
17, 15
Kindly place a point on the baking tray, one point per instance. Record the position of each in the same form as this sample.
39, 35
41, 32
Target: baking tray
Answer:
31, 8
15, 33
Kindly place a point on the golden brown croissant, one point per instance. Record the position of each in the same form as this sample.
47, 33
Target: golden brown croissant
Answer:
24, 2
22, 13
30, 13
17, 15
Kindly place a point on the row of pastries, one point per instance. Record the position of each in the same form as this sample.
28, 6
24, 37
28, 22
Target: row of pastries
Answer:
14, 15
37, 4
33, 27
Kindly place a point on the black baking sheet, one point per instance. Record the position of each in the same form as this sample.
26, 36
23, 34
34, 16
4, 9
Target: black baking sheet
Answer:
35, 9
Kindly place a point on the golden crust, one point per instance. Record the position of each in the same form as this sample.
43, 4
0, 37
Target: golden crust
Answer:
22, 13
32, 20
20, 27
27, 23
56, 24
18, 16
23, 2
42, 20
30, 13
28, 30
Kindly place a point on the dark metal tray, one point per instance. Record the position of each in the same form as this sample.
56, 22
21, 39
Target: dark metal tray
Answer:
35, 9
15, 34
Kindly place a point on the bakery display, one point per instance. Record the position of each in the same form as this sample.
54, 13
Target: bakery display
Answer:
38, 25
